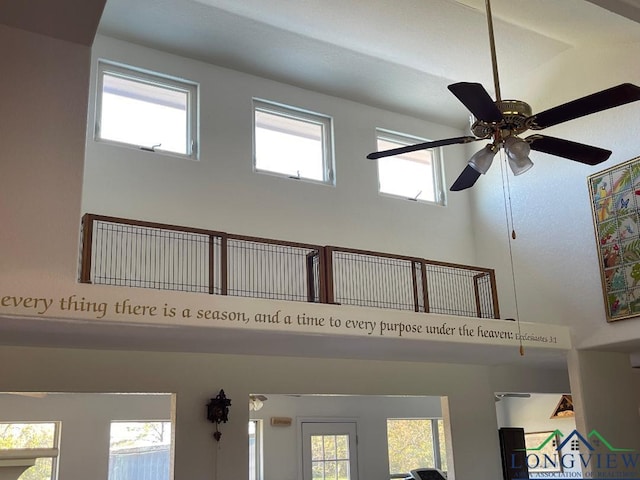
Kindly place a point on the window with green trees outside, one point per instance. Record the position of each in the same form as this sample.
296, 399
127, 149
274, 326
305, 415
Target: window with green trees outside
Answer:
32, 435
415, 443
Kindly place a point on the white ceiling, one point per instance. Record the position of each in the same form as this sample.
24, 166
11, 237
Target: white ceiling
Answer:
396, 55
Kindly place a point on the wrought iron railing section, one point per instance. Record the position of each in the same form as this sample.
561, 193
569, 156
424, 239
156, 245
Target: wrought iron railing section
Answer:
371, 279
263, 268
138, 256
382, 280
131, 253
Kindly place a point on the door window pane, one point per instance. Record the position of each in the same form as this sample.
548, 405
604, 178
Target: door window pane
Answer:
330, 457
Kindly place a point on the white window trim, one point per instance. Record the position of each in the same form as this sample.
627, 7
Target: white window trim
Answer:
259, 471
161, 80
295, 113
56, 442
438, 167
435, 442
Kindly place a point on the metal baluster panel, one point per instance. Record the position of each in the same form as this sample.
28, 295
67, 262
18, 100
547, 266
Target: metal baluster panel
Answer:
371, 281
267, 270
138, 256
485, 295
451, 291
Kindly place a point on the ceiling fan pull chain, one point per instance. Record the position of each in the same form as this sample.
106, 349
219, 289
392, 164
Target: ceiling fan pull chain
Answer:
508, 215
513, 227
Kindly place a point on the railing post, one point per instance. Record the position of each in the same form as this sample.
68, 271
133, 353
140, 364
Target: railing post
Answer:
322, 275
328, 275
494, 294
476, 291
87, 248
425, 290
311, 281
212, 276
414, 281
223, 265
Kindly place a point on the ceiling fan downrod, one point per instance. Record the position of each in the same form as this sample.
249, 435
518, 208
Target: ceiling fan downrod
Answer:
492, 45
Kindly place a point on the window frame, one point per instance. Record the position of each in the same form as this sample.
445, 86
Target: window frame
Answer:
171, 444
404, 139
56, 440
257, 449
156, 79
302, 115
435, 443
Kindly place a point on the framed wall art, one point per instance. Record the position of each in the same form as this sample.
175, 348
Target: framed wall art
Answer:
615, 201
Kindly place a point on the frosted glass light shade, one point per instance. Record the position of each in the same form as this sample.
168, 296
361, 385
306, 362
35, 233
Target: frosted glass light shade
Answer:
482, 159
518, 154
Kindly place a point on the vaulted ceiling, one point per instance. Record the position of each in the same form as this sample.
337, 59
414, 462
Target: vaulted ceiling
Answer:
396, 55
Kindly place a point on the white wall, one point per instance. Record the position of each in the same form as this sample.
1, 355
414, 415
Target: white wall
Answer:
85, 421
369, 412
41, 132
221, 191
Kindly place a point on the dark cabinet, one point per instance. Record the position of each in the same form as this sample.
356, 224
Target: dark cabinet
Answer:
513, 453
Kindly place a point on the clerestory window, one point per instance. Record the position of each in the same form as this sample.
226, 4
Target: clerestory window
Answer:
292, 142
414, 175
146, 110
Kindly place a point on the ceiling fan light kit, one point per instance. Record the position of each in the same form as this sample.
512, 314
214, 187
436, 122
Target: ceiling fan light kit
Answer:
501, 121
256, 402
518, 154
482, 159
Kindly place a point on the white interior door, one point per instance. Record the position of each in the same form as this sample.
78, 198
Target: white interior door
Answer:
329, 451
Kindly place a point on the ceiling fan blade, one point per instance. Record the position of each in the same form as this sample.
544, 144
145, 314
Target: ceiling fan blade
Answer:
420, 146
500, 396
467, 179
596, 102
477, 101
578, 152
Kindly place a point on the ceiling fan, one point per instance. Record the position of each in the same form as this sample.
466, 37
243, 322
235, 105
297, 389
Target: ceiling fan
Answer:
256, 402
500, 396
502, 121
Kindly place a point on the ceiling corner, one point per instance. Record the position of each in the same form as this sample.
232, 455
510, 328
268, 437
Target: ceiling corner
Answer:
71, 20
626, 8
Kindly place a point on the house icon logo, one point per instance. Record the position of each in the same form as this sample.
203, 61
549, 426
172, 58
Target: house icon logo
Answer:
575, 440
578, 457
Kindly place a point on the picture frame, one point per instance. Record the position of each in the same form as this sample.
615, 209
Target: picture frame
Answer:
540, 444
615, 204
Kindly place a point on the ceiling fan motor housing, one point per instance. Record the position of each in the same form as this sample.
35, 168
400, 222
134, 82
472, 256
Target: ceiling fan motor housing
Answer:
515, 114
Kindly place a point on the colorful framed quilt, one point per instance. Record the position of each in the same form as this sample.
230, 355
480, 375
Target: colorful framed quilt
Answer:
615, 200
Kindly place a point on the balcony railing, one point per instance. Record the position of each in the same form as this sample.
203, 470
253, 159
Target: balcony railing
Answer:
132, 253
